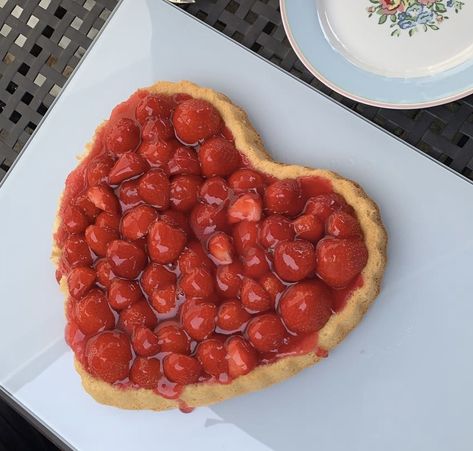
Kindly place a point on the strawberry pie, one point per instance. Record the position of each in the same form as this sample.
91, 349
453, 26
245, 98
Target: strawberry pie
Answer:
195, 268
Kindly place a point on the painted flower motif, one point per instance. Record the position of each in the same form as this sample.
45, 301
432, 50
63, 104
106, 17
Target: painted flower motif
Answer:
412, 15
392, 6
414, 11
425, 16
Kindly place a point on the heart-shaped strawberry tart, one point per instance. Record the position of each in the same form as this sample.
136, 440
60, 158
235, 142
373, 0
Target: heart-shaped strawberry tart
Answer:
195, 267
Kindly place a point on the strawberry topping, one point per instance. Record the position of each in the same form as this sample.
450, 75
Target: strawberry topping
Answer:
184, 263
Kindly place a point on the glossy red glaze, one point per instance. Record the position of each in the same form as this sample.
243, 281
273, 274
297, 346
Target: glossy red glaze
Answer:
341, 296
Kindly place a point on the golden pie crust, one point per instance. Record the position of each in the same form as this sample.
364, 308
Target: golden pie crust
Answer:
249, 143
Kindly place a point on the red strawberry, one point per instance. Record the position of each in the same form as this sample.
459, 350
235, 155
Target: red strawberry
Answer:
145, 342
272, 285
165, 242
254, 297
108, 220
340, 260
75, 339
308, 227
343, 225
157, 128
306, 307
126, 259
98, 238
229, 278
184, 161
74, 220
207, 219
141, 243
284, 197
214, 191
128, 194
192, 257
154, 105
122, 136
245, 235
105, 274
275, 228
154, 187
159, 152
80, 280
232, 316
212, 356
172, 338
164, 299
108, 356
176, 219
155, 276
145, 372
103, 198
93, 314
127, 166
184, 191
199, 320
123, 293
197, 283
266, 332
221, 248
181, 369
294, 260
247, 207
87, 207
324, 205
218, 156
76, 252
254, 262
98, 170
137, 314
195, 120
244, 180
136, 222
242, 357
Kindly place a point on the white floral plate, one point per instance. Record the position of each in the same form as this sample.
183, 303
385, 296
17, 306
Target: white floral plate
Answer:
387, 53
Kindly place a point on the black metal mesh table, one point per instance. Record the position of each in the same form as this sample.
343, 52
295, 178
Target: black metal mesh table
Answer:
42, 41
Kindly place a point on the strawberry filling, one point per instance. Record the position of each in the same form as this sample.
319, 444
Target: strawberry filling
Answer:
185, 264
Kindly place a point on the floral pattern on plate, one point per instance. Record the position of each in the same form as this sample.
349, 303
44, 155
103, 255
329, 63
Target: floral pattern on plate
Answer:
412, 16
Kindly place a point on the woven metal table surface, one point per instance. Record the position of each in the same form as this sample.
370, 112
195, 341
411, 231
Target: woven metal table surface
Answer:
42, 41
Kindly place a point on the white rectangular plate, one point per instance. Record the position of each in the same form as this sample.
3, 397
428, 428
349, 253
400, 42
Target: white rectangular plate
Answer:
401, 380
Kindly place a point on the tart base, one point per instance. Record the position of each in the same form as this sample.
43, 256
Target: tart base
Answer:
249, 143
